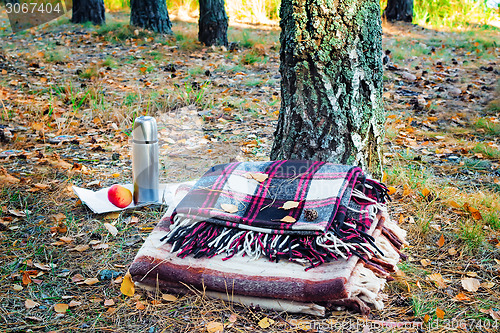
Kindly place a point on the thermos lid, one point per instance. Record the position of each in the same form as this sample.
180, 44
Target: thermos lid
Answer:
145, 130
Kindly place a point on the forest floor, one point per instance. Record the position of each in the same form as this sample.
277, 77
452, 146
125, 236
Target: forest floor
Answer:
68, 97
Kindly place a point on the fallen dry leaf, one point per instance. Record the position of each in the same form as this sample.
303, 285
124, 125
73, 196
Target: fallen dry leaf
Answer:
30, 304
66, 240
26, 280
461, 297
112, 216
474, 212
391, 190
426, 192
233, 317
258, 176
290, 204
440, 242
17, 287
109, 302
439, 313
90, 281
229, 208
214, 327
80, 248
471, 284
488, 285
169, 298
61, 307
494, 314
437, 279
265, 322
452, 251
59, 217
77, 278
127, 287
73, 304
140, 305
425, 262
288, 219
7, 179
111, 229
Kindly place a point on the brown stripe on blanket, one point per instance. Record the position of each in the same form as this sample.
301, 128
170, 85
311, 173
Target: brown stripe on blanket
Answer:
334, 282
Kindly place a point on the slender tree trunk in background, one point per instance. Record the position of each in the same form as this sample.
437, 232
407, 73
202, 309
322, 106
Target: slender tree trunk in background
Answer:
151, 15
88, 11
331, 83
212, 24
399, 10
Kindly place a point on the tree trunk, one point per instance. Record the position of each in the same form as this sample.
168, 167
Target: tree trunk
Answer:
88, 11
399, 10
331, 86
151, 15
212, 24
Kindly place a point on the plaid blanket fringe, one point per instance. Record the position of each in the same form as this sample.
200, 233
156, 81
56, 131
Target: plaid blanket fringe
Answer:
350, 209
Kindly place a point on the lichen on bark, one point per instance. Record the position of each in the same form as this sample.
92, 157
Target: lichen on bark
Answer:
331, 87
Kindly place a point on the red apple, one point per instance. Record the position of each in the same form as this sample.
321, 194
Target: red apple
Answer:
119, 196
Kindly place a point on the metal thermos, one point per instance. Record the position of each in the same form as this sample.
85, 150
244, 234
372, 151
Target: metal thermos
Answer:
145, 160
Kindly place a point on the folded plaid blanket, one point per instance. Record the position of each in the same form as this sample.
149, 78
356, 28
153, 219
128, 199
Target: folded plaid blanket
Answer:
303, 211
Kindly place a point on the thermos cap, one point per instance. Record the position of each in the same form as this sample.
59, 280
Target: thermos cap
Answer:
145, 130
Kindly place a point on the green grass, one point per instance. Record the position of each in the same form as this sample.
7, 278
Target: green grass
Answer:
452, 13
472, 235
492, 219
486, 150
489, 126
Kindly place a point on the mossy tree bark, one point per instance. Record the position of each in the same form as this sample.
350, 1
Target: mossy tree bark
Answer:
212, 24
399, 10
88, 11
331, 86
151, 15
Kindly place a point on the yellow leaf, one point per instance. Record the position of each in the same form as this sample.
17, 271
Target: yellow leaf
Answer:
112, 216
439, 313
230, 208
426, 318
169, 298
440, 242
127, 288
425, 262
111, 229
384, 177
290, 204
392, 190
426, 192
438, 279
265, 322
288, 219
30, 304
214, 327
60, 307
471, 284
